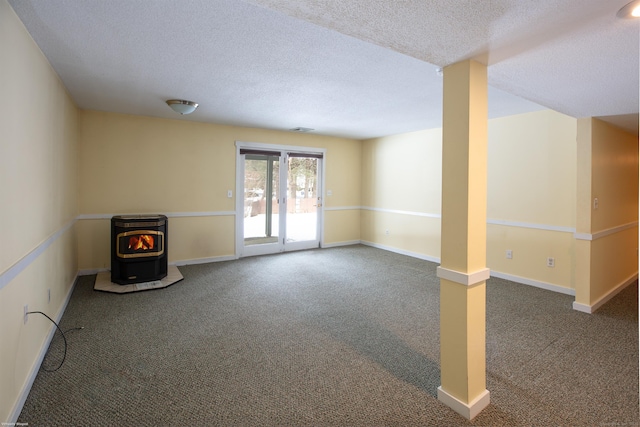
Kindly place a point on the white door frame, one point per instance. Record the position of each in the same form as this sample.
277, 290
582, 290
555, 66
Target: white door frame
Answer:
283, 149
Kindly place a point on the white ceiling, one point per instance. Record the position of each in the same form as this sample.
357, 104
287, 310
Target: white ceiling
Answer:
357, 68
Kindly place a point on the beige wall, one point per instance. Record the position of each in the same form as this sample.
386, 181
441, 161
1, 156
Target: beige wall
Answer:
531, 201
615, 170
401, 192
532, 168
530, 196
38, 172
607, 233
134, 164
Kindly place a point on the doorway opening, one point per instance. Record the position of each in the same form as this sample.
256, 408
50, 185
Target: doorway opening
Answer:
280, 198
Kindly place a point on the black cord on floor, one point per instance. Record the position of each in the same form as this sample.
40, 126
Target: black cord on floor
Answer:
64, 356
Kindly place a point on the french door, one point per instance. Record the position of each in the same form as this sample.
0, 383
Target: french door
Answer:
279, 199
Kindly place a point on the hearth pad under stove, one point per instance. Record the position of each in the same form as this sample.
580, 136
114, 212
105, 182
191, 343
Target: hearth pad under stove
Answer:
104, 283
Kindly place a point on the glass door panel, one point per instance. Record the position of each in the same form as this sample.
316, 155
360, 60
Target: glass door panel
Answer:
303, 200
261, 208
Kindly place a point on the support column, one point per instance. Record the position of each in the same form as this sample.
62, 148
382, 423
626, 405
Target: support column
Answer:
584, 231
463, 270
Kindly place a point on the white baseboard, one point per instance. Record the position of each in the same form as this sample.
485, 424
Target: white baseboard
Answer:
401, 251
585, 308
91, 271
338, 244
470, 410
15, 413
535, 283
204, 260
510, 277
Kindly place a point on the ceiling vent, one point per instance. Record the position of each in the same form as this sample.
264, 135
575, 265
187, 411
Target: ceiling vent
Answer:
300, 129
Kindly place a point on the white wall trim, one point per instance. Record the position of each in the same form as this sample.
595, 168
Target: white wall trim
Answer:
94, 216
604, 233
198, 214
583, 236
17, 409
534, 226
25, 261
466, 279
585, 308
401, 251
343, 208
534, 283
470, 410
399, 212
518, 224
338, 244
168, 214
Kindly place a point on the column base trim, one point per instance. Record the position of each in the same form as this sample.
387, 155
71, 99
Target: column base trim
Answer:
467, 279
582, 307
470, 410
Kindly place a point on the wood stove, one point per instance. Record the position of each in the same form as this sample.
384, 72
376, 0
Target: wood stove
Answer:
138, 248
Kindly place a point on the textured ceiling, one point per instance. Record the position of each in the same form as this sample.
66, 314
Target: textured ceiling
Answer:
358, 68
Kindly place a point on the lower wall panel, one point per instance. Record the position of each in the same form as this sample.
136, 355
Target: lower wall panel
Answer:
341, 226
530, 250
192, 238
23, 343
94, 244
201, 237
530, 247
410, 233
613, 261
189, 238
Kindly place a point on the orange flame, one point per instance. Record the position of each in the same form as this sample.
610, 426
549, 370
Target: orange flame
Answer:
141, 242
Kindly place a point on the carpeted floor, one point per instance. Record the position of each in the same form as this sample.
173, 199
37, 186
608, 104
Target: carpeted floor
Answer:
335, 337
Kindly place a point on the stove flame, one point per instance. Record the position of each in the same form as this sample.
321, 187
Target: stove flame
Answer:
142, 242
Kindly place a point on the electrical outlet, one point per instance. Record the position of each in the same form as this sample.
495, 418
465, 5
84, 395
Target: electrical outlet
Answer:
509, 254
230, 193
596, 204
26, 316
386, 232
551, 262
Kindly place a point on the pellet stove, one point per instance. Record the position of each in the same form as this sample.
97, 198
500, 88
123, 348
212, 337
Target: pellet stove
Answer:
138, 248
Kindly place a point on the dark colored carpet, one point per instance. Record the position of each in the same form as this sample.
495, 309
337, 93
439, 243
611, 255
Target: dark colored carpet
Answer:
335, 337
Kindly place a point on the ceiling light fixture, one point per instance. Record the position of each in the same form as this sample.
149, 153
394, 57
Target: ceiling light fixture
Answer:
301, 129
181, 106
630, 11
